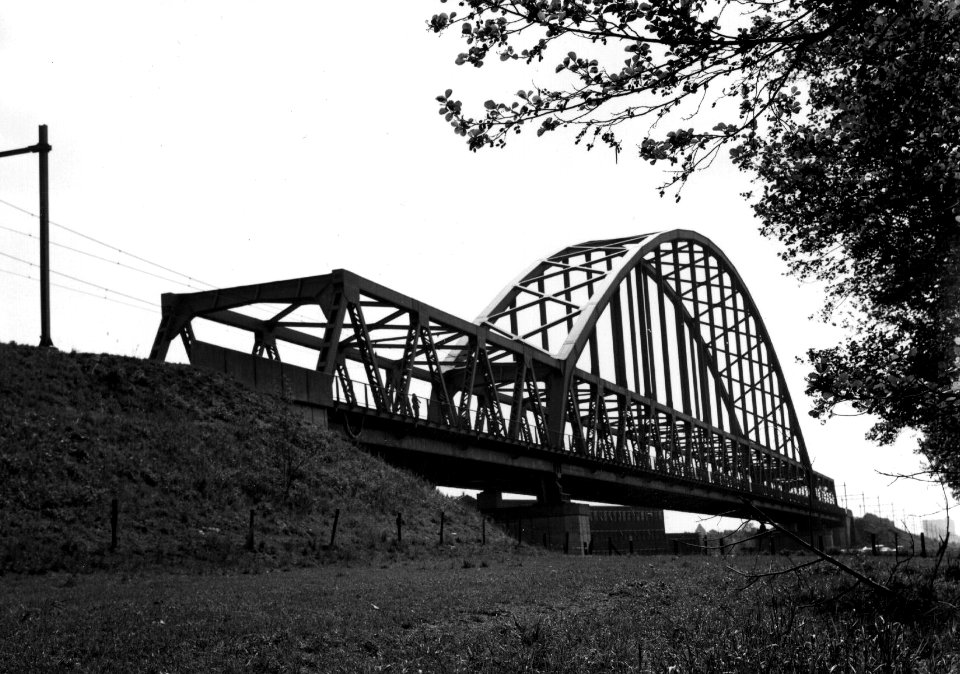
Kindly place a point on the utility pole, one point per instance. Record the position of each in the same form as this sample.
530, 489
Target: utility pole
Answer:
42, 148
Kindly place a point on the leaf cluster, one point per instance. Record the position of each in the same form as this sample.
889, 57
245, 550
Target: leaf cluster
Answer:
865, 194
847, 114
648, 60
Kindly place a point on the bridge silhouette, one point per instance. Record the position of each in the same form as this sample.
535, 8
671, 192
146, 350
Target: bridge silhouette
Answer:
634, 371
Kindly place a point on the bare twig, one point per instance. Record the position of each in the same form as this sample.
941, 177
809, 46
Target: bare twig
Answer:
943, 542
778, 572
827, 558
731, 544
834, 597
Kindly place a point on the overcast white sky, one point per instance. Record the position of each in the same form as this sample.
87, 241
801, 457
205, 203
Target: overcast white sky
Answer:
237, 142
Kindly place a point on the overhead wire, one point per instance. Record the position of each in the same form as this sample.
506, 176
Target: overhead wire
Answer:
108, 245
82, 292
98, 257
80, 280
117, 249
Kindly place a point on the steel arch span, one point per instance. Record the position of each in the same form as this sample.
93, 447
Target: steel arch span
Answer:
634, 370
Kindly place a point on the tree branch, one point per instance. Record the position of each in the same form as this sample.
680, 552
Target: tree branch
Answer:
824, 556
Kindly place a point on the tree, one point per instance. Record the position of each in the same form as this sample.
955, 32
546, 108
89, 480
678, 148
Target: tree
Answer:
846, 114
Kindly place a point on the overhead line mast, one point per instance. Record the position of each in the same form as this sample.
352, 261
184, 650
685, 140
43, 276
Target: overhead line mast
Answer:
43, 149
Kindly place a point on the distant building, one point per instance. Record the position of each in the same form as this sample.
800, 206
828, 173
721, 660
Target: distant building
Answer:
623, 529
937, 529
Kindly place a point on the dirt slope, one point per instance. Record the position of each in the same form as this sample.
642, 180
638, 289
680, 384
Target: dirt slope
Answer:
187, 454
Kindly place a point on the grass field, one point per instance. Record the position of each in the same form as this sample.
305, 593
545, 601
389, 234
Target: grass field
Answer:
495, 614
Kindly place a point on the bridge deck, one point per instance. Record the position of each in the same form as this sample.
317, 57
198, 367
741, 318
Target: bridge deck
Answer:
470, 459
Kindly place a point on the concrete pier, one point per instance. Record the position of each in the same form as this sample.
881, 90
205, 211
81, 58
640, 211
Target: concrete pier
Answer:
561, 526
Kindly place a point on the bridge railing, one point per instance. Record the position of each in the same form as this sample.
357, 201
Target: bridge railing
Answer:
740, 471
433, 412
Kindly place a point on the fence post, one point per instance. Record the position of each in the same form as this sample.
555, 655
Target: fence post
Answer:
923, 545
873, 544
723, 550
333, 532
441, 528
566, 542
114, 517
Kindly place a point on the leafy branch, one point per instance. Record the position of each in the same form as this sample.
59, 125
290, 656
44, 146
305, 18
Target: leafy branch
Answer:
675, 52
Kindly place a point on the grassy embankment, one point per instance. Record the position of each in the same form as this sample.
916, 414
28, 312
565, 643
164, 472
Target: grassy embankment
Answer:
187, 454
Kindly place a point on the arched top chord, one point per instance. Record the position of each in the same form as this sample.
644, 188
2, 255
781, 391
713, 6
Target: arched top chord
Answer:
668, 308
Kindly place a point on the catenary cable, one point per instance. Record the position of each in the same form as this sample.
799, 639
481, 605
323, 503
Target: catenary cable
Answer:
98, 257
259, 309
82, 292
107, 245
80, 280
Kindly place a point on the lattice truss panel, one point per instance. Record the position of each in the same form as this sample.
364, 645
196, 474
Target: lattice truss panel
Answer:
676, 325
418, 365
666, 317
379, 349
645, 352
544, 304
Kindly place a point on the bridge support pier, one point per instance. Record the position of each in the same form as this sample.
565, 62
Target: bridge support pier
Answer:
817, 533
551, 492
559, 526
840, 536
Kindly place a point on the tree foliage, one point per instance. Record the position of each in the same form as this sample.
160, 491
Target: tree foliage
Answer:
846, 114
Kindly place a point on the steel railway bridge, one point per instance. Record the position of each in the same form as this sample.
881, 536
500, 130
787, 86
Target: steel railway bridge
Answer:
634, 371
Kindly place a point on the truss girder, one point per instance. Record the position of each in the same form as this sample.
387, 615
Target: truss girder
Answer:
646, 352
535, 402
440, 395
685, 330
401, 402
367, 355
490, 396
